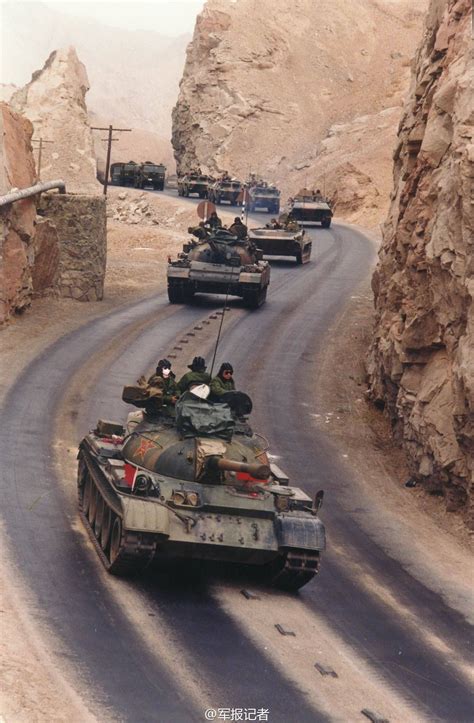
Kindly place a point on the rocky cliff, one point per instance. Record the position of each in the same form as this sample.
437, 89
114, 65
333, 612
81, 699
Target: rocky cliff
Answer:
289, 90
17, 221
421, 364
54, 102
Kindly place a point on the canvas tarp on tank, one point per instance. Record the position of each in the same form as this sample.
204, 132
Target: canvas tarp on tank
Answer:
200, 418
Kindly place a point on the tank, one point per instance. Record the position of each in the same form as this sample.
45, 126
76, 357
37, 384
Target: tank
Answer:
264, 196
195, 483
280, 242
219, 264
225, 189
310, 208
150, 175
193, 183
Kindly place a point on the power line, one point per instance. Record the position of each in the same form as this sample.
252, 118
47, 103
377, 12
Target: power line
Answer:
109, 140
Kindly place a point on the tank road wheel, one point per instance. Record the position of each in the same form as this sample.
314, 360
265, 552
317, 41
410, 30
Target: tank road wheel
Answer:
93, 505
86, 493
107, 521
116, 540
99, 515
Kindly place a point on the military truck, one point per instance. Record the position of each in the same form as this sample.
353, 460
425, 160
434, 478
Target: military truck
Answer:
150, 175
219, 264
265, 196
310, 208
116, 174
227, 189
197, 484
196, 183
129, 173
281, 242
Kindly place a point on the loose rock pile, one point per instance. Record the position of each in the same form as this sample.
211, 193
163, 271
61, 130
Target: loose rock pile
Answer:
142, 209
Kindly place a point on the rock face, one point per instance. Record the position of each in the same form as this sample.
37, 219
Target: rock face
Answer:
421, 364
265, 83
18, 220
54, 101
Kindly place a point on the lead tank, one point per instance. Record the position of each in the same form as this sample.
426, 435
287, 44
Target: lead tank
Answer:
196, 484
222, 263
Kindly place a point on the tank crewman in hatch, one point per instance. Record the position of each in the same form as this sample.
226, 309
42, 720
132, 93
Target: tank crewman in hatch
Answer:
223, 382
239, 229
214, 222
197, 375
291, 224
166, 380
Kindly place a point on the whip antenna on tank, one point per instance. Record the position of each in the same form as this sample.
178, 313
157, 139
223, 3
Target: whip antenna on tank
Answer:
220, 329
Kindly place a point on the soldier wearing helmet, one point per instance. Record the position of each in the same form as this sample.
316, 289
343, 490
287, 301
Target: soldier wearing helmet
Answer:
165, 379
196, 375
223, 382
238, 228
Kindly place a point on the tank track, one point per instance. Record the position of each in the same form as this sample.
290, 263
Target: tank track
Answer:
299, 567
133, 551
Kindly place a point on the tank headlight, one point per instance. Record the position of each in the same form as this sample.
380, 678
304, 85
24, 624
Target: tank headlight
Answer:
179, 498
192, 498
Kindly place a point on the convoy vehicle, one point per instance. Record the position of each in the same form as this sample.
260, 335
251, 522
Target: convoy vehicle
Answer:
150, 174
193, 183
310, 208
264, 196
219, 264
116, 174
227, 190
195, 484
281, 242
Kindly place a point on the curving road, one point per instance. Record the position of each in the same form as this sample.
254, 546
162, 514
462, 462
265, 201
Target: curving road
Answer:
168, 646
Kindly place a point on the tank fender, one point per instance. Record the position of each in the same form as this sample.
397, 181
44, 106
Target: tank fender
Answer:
306, 533
145, 516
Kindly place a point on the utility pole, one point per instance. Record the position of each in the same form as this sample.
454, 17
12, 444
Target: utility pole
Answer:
40, 140
109, 140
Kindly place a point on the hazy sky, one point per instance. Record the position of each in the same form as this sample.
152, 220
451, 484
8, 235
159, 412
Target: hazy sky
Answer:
169, 17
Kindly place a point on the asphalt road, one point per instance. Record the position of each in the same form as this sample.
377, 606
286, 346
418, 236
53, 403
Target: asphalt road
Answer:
274, 351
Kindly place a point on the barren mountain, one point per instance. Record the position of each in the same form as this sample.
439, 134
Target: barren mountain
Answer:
422, 359
265, 82
54, 101
133, 75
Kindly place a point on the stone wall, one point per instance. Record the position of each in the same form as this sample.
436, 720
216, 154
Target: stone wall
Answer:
80, 223
421, 364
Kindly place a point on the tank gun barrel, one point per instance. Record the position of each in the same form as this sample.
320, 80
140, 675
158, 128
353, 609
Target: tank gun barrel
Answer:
259, 471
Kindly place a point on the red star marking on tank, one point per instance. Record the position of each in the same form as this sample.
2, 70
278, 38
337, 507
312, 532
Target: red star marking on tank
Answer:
145, 445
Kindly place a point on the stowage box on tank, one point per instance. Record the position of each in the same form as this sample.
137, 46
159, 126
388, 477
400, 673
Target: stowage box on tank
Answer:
195, 485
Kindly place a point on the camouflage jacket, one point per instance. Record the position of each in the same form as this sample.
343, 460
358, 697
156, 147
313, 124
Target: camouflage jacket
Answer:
168, 387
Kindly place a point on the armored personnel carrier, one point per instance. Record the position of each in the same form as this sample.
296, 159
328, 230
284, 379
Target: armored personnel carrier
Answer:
219, 264
195, 485
225, 189
150, 175
310, 208
281, 242
264, 196
196, 183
